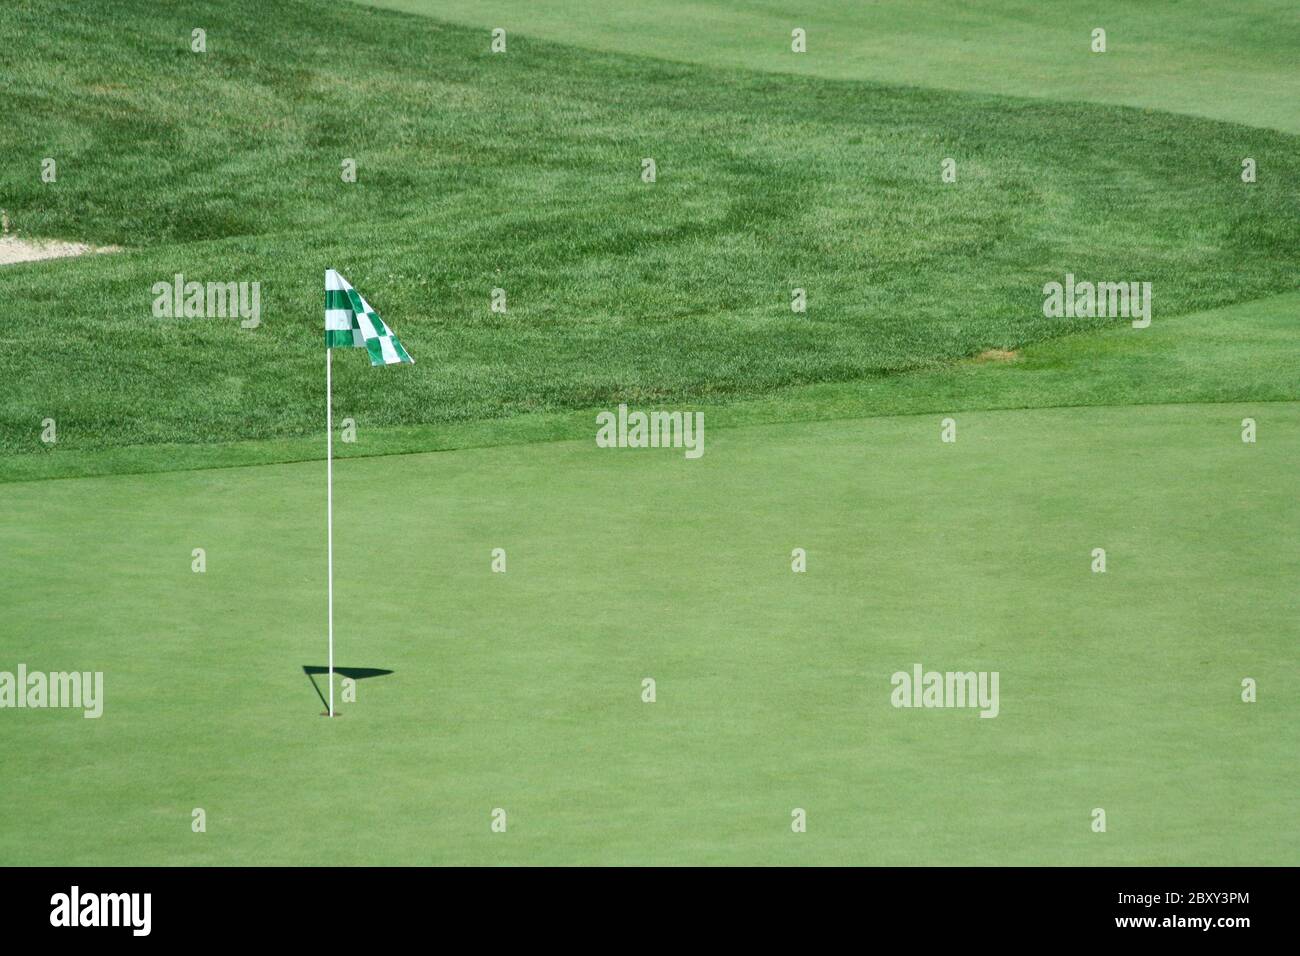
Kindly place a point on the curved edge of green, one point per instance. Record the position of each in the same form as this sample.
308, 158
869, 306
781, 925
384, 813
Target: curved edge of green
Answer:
1244, 353
1185, 57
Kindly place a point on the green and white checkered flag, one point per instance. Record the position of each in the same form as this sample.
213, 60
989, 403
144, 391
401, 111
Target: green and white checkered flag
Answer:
350, 322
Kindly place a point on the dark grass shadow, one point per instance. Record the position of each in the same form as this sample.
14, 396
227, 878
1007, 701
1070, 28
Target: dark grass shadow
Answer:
356, 673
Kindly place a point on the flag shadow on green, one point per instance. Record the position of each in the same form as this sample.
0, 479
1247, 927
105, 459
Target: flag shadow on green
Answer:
356, 673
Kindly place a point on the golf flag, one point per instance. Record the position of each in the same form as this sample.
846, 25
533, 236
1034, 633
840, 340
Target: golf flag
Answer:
350, 322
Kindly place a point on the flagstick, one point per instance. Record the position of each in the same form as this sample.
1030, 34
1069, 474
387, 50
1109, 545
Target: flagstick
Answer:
329, 505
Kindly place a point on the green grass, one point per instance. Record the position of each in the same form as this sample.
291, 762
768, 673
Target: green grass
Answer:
1236, 354
522, 690
521, 171
1233, 62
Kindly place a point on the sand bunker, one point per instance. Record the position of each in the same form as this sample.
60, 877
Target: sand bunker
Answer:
13, 249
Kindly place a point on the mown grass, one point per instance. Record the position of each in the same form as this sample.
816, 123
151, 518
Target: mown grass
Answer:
522, 172
1203, 57
1243, 354
523, 690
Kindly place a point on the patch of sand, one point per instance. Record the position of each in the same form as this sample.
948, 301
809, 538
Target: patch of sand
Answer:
13, 249
997, 355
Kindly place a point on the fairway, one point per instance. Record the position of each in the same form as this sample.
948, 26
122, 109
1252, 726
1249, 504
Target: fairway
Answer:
1189, 56
522, 690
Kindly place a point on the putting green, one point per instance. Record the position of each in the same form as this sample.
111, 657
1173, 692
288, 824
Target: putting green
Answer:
522, 690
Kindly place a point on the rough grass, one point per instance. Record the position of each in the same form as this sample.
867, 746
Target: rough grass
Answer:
522, 171
1253, 346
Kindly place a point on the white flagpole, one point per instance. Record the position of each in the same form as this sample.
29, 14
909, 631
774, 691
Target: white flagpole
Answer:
329, 505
